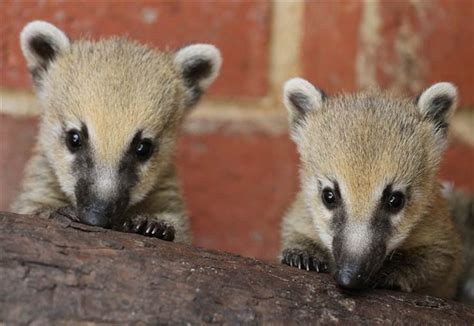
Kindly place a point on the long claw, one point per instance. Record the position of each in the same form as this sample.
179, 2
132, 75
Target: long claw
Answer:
168, 233
127, 225
149, 228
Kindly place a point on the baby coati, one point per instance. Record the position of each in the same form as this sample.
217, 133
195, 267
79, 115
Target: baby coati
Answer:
112, 110
370, 210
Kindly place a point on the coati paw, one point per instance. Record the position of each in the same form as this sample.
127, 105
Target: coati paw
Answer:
150, 227
303, 260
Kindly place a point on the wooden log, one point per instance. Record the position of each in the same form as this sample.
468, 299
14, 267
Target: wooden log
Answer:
58, 271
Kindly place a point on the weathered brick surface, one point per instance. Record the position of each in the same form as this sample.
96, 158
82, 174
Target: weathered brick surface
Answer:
237, 186
427, 41
449, 47
330, 42
406, 45
17, 138
239, 28
458, 166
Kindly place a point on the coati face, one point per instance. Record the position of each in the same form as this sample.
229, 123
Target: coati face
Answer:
368, 168
112, 110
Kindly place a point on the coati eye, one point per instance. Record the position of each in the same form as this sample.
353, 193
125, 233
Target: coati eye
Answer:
395, 202
73, 140
329, 198
144, 149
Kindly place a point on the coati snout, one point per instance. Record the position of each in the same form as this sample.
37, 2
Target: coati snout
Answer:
98, 213
354, 270
92, 210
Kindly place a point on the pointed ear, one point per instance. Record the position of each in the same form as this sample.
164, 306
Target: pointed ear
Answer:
437, 105
199, 65
41, 43
301, 97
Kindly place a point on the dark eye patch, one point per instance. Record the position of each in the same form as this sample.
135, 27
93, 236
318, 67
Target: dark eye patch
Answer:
331, 197
142, 148
393, 201
76, 139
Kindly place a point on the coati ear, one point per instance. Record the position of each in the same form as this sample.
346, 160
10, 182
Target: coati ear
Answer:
199, 65
437, 104
41, 42
300, 98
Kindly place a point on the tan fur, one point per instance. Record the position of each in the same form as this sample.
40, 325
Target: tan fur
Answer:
366, 141
115, 87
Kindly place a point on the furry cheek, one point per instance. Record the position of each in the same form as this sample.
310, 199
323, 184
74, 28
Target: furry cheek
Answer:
322, 221
145, 185
64, 168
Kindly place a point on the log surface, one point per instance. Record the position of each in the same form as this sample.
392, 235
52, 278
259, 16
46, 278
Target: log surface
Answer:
58, 271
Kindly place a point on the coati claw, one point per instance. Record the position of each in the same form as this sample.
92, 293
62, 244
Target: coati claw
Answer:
150, 228
303, 260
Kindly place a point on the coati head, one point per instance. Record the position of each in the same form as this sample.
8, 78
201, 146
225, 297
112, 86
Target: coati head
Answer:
368, 168
112, 110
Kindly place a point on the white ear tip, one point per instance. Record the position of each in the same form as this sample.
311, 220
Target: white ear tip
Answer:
212, 52
438, 89
298, 85
39, 27
206, 51
446, 88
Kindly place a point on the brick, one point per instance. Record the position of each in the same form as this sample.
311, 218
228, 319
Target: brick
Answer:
449, 46
17, 138
330, 42
238, 188
458, 166
426, 42
239, 28
412, 45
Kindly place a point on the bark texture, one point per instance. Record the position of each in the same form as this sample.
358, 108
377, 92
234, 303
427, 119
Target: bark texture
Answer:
59, 271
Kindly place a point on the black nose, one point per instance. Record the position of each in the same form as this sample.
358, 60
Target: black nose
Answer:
97, 214
349, 278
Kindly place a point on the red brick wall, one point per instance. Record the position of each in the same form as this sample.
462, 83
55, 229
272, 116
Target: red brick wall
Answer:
239, 28
418, 43
330, 44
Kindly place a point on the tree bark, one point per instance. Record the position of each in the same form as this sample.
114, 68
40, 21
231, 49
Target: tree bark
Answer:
59, 271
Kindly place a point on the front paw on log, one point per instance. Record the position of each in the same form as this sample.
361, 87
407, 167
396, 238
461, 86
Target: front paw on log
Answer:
150, 227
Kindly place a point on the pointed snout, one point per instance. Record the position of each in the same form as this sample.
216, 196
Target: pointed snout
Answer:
99, 213
350, 277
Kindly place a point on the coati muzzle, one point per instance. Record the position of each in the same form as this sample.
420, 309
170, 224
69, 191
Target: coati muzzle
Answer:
354, 270
95, 211
98, 213
351, 276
